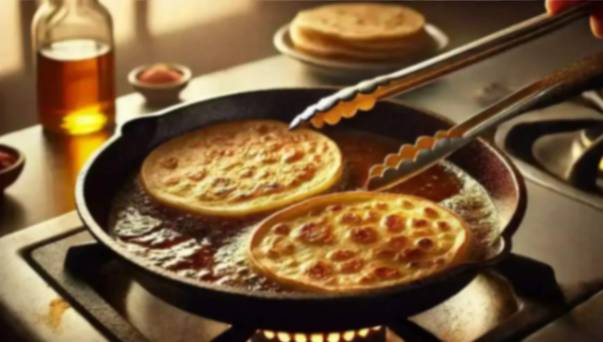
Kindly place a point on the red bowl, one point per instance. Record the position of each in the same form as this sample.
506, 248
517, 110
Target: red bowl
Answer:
10, 174
164, 93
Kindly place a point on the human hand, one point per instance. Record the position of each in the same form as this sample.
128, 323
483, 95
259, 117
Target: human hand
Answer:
596, 17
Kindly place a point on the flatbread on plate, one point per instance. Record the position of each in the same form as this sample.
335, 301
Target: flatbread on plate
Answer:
375, 32
361, 22
412, 48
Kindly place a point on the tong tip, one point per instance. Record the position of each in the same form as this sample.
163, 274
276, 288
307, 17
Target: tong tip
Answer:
296, 123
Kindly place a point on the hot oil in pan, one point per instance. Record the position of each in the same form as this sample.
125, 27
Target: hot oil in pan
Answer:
212, 250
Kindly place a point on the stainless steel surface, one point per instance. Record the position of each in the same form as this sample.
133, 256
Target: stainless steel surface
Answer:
33, 316
362, 96
582, 324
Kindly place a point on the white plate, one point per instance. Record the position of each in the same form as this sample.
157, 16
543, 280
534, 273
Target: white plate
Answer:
348, 69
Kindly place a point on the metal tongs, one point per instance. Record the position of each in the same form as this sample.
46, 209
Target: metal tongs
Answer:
412, 159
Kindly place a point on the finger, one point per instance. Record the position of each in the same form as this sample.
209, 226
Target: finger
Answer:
557, 6
596, 21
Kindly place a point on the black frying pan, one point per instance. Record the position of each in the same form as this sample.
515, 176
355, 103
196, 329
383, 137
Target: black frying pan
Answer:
109, 168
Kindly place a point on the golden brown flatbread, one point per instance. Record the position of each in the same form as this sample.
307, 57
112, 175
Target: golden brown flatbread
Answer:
411, 48
361, 21
240, 168
357, 31
414, 41
357, 241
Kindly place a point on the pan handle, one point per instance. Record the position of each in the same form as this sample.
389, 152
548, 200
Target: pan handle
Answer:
530, 277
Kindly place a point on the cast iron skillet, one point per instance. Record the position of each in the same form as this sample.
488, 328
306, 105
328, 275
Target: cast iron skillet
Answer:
109, 168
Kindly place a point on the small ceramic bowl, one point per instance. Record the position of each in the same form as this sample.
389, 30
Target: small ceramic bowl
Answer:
10, 174
163, 93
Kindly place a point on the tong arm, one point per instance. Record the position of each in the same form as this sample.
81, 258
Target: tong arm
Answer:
412, 159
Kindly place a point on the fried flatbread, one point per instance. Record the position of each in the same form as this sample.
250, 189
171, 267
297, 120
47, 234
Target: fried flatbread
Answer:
357, 241
411, 48
421, 39
361, 22
241, 168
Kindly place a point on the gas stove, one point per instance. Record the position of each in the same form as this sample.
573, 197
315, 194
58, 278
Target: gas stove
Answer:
60, 285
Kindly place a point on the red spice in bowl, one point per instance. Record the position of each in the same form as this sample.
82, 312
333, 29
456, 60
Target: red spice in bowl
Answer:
11, 165
160, 83
6, 159
160, 74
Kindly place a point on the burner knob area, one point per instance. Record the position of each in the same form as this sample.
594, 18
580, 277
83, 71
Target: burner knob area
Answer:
374, 334
585, 172
590, 135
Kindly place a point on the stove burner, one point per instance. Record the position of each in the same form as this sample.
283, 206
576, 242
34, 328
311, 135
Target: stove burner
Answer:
588, 138
563, 154
565, 142
373, 334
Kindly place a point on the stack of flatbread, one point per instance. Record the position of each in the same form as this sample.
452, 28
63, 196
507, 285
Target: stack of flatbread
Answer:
362, 32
